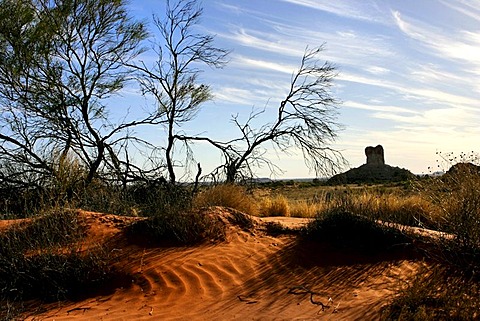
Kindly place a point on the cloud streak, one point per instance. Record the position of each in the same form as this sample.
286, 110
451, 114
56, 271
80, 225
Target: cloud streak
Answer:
360, 10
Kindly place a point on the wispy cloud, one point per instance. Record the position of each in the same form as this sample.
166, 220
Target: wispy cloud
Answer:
429, 95
442, 118
463, 45
359, 10
245, 62
379, 108
261, 41
376, 70
232, 95
433, 73
469, 8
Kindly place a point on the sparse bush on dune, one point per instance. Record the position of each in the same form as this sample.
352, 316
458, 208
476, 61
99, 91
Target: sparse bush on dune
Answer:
347, 230
51, 275
171, 217
177, 228
41, 259
53, 228
457, 197
66, 188
435, 294
389, 206
411, 210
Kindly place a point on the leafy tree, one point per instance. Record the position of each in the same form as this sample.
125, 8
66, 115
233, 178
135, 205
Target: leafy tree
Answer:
59, 62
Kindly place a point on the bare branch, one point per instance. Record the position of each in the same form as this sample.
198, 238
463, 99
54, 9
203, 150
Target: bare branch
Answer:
305, 119
173, 80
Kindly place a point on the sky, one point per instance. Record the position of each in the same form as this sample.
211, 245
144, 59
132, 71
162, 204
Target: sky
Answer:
408, 73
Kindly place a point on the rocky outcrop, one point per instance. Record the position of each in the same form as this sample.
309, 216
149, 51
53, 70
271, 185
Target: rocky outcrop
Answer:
374, 171
375, 155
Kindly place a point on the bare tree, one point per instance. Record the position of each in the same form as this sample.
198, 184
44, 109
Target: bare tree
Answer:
173, 79
60, 61
305, 120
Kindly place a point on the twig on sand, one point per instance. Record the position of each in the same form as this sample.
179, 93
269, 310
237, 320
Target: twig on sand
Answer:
297, 290
79, 309
248, 301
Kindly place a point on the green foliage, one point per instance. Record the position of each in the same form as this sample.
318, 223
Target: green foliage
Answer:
67, 187
60, 60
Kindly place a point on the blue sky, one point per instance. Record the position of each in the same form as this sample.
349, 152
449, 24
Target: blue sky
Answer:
409, 72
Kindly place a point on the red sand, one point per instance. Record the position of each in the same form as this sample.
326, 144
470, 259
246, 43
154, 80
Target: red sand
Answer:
250, 276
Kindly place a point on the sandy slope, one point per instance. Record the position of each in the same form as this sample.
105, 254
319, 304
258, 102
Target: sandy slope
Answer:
251, 276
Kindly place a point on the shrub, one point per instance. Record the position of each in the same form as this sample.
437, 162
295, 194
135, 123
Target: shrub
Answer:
276, 229
435, 294
52, 228
177, 228
227, 195
42, 259
65, 188
350, 231
457, 197
171, 217
411, 210
53, 276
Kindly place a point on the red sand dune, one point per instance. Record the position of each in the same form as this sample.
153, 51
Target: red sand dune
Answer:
250, 276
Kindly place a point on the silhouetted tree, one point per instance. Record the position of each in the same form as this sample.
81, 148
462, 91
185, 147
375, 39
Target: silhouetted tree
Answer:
173, 79
305, 119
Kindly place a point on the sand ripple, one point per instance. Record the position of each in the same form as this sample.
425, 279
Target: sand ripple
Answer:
246, 278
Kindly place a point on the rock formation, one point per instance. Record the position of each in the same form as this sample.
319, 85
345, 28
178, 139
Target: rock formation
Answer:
374, 171
375, 155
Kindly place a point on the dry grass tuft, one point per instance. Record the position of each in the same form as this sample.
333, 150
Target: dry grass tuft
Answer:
305, 209
274, 206
347, 230
227, 195
412, 210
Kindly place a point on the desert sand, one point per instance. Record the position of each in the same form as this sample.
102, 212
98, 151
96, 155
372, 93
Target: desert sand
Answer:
249, 276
